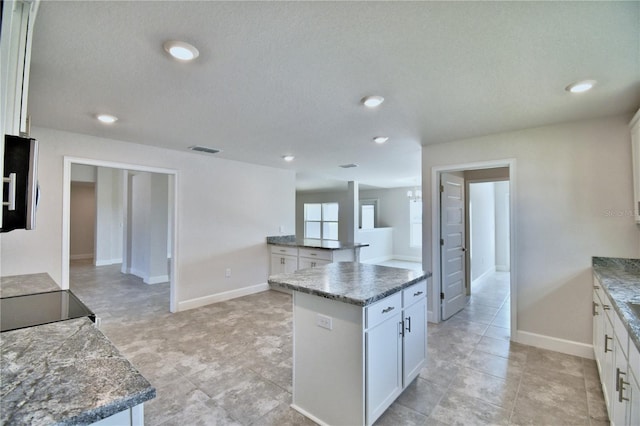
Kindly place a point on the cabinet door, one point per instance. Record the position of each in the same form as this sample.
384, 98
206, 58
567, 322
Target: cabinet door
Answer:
305, 262
608, 366
598, 332
414, 351
634, 398
283, 264
383, 366
618, 412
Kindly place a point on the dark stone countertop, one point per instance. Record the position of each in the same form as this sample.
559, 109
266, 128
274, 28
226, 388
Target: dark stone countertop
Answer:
63, 373
620, 279
292, 241
19, 285
355, 283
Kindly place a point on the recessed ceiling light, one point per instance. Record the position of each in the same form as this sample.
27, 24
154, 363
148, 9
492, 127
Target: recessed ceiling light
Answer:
580, 86
380, 139
288, 157
348, 166
372, 101
180, 50
205, 149
107, 118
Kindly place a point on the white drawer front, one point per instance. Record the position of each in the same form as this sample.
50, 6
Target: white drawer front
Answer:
412, 294
316, 254
292, 251
383, 309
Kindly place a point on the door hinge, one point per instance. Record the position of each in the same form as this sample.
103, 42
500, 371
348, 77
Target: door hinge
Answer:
441, 242
441, 188
442, 296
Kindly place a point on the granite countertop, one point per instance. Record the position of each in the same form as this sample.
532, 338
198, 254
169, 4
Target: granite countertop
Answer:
63, 373
620, 279
292, 241
356, 283
18, 285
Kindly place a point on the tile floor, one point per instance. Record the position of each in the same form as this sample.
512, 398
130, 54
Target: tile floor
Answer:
230, 363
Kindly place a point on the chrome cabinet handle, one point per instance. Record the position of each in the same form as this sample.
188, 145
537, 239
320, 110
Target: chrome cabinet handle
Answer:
606, 307
621, 386
618, 374
408, 328
606, 347
389, 309
417, 294
401, 328
595, 309
596, 287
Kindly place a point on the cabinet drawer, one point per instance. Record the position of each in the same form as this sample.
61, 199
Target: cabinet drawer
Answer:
412, 294
291, 251
316, 254
383, 309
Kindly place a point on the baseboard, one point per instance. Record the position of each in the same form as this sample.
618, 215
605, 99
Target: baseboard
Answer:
569, 347
407, 258
379, 259
104, 262
156, 280
81, 256
221, 297
308, 415
486, 273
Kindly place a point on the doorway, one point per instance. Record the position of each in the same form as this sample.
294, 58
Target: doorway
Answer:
119, 238
501, 170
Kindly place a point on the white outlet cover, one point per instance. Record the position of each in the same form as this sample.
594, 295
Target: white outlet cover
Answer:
324, 321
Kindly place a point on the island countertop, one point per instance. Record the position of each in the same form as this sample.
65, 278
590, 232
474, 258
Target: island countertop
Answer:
292, 241
63, 373
350, 282
620, 279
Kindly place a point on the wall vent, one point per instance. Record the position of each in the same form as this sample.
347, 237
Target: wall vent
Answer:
348, 166
204, 149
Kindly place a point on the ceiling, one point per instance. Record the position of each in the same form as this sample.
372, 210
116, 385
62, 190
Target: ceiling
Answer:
276, 78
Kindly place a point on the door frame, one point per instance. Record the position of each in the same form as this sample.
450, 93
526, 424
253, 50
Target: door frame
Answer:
66, 213
436, 171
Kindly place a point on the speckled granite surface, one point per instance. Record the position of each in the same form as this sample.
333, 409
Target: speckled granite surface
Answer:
18, 285
356, 283
66, 373
291, 241
620, 279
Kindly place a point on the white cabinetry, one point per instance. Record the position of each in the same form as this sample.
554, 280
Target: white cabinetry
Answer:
351, 372
635, 157
283, 260
618, 361
311, 258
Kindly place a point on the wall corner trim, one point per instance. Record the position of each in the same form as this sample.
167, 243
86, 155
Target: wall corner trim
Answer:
569, 347
221, 297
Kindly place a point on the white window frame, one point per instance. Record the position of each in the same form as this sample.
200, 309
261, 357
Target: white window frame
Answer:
321, 221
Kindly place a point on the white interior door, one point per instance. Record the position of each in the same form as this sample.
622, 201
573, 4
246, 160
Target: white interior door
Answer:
452, 251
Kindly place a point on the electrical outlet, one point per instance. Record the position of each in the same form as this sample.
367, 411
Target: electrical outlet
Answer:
281, 229
227, 273
324, 322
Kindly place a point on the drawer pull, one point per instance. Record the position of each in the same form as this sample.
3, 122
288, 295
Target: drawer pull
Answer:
417, 294
389, 309
595, 309
620, 397
596, 287
313, 254
282, 251
619, 379
606, 307
606, 344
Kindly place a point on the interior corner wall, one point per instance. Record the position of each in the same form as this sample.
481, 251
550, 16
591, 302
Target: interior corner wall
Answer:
483, 229
570, 181
502, 226
226, 209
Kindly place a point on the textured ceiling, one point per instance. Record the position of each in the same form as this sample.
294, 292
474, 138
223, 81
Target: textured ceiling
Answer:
275, 78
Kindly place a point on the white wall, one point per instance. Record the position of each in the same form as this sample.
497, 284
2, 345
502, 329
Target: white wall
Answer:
568, 180
82, 220
483, 229
380, 242
502, 226
109, 216
393, 212
226, 209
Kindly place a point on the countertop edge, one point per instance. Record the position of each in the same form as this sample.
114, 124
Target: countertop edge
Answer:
350, 246
350, 300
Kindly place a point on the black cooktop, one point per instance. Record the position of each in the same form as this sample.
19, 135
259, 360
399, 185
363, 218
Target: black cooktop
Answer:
41, 308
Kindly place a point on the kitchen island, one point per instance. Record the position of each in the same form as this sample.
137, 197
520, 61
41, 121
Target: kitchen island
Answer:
359, 338
65, 372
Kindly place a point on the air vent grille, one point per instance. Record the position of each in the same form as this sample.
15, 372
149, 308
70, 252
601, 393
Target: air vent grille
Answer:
349, 166
204, 149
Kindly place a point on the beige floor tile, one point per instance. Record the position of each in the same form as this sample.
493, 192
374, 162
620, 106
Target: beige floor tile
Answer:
421, 396
485, 387
457, 408
498, 332
495, 365
398, 414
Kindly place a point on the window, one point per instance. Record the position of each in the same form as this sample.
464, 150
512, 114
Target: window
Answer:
321, 221
415, 223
